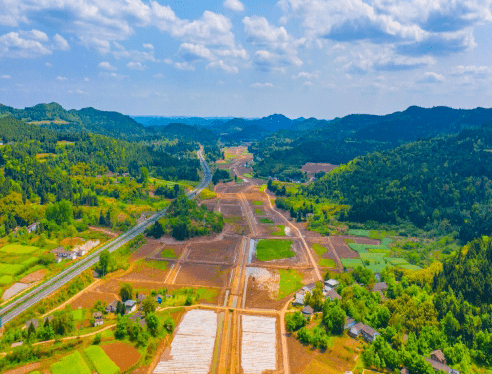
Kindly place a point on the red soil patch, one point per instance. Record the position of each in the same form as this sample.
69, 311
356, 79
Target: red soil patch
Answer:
204, 275
88, 299
342, 249
219, 251
35, 276
313, 168
123, 355
146, 250
25, 369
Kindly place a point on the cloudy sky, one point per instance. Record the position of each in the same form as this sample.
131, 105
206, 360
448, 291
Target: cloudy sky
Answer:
251, 58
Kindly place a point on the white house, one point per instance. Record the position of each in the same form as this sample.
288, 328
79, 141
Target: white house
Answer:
98, 319
332, 283
130, 306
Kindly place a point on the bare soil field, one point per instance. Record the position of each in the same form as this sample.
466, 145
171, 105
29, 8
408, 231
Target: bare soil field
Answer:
146, 250
114, 285
178, 250
219, 251
230, 210
144, 272
212, 205
262, 292
25, 369
342, 249
360, 240
34, 276
204, 275
313, 168
123, 355
338, 358
88, 299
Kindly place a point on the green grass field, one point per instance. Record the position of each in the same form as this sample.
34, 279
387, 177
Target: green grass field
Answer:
168, 253
354, 232
266, 221
263, 187
319, 249
248, 175
162, 265
267, 250
101, 361
72, 364
327, 263
10, 269
280, 231
206, 194
351, 263
18, 249
78, 314
257, 202
259, 212
6, 279
290, 281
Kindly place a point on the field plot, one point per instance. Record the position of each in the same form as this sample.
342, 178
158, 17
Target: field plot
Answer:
258, 344
148, 270
170, 251
204, 275
146, 250
262, 288
231, 210
279, 252
88, 299
192, 348
340, 356
101, 361
34, 276
217, 251
18, 249
341, 247
123, 355
230, 187
72, 364
326, 257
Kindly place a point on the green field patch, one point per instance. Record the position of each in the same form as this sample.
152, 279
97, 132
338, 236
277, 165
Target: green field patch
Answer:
72, 364
266, 221
280, 231
372, 256
161, 265
396, 260
351, 263
263, 187
376, 267
386, 242
290, 281
6, 279
18, 248
348, 241
267, 250
30, 261
206, 194
319, 249
327, 263
101, 361
9, 269
355, 232
233, 219
78, 314
259, 212
359, 248
168, 253
257, 202
410, 267
248, 175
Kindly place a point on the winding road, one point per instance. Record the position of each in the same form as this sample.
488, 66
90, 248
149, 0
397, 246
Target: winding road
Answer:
45, 289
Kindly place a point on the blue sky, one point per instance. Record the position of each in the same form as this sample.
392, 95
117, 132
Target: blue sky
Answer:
251, 58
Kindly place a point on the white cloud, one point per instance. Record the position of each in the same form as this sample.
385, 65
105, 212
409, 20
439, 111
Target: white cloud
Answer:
431, 77
135, 66
261, 85
192, 52
61, 43
77, 91
168, 61
278, 47
148, 46
478, 71
35, 34
159, 76
235, 5
107, 66
23, 45
221, 65
184, 66
61, 79
86, 79
49, 65
134, 55
306, 75
113, 75
308, 84
5, 76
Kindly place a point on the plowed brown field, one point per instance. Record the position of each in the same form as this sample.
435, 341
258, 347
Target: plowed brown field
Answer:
123, 355
204, 275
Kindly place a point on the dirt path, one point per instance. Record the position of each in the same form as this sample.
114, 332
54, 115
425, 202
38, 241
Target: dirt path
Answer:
283, 335
249, 215
104, 231
338, 261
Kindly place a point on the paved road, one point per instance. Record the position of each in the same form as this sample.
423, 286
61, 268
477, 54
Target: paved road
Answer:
45, 289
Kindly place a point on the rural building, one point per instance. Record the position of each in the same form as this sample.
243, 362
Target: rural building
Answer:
299, 298
307, 311
111, 308
438, 366
438, 356
349, 322
381, 286
309, 287
404, 371
332, 295
32, 228
98, 319
61, 254
130, 306
136, 316
82, 250
332, 283
158, 298
367, 332
140, 298
33, 322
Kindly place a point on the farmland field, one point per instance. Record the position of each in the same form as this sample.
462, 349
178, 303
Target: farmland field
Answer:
290, 281
123, 355
168, 253
267, 250
257, 202
101, 361
18, 249
266, 221
258, 344
72, 364
327, 263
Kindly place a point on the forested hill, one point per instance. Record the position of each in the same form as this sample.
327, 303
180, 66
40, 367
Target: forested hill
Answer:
442, 182
54, 116
184, 132
343, 139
